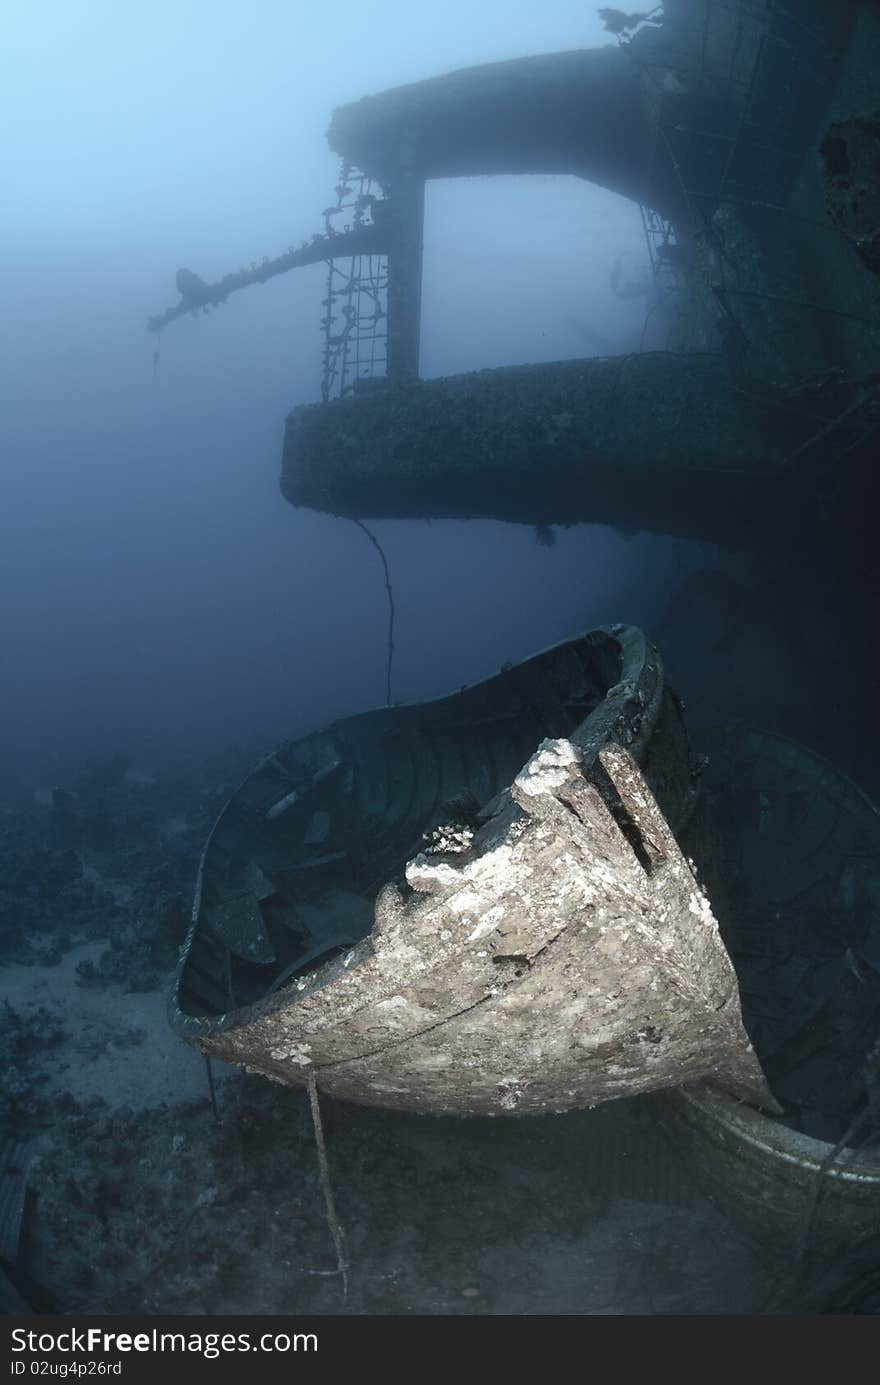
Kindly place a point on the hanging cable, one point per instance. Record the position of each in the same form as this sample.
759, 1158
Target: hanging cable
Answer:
379, 549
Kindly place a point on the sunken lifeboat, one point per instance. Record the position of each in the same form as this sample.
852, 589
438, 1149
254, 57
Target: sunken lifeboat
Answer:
474, 905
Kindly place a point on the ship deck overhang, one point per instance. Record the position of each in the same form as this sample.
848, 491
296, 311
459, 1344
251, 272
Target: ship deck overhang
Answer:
579, 112
655, 441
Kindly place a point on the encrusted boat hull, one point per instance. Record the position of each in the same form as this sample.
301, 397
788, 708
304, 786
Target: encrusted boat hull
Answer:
803, 839
472, 906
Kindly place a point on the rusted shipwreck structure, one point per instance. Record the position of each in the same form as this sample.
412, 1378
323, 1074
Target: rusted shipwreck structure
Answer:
730, 125
744, 134
482, 905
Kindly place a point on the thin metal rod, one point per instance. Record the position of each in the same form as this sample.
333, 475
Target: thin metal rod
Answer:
333, 1221
211, 1090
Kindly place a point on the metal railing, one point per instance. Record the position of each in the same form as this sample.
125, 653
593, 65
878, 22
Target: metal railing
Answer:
355, 322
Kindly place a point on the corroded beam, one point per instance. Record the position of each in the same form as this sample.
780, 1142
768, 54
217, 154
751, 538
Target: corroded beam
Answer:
406, 222
363, 240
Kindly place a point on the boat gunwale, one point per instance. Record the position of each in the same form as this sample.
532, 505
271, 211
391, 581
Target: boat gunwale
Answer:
744, 1123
